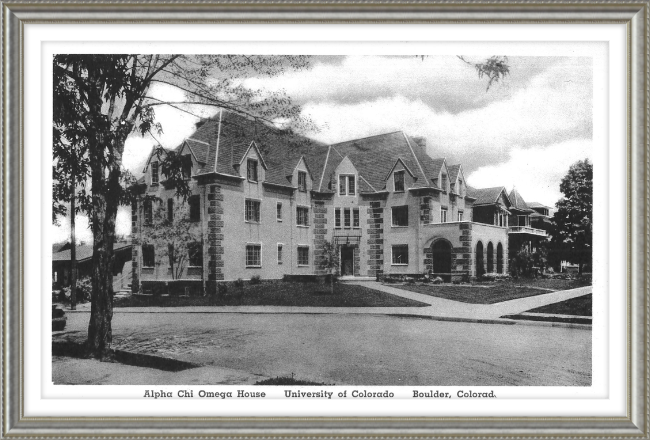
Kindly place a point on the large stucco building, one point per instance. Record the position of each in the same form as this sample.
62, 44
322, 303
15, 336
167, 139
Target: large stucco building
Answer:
265, 201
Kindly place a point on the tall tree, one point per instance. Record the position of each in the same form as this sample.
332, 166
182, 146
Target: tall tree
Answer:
100, 100
573, 218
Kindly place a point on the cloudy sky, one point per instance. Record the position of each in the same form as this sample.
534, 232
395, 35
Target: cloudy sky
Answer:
524, 131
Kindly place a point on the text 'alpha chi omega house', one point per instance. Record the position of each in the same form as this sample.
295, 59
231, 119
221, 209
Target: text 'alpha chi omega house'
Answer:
265, 201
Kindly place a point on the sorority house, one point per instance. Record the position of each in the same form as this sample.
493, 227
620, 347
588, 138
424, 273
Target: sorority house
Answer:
265, 201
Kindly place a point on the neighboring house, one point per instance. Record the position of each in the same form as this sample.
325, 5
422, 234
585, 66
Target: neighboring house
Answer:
521, 231
84, 254
265, 202
541, 218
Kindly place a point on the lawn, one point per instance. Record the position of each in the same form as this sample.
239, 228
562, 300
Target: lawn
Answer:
579, 306
481, 294
279, 294
546, 283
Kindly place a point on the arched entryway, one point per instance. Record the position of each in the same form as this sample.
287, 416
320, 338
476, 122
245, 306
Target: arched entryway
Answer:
499, 258
480, 269
441, 256
490, 258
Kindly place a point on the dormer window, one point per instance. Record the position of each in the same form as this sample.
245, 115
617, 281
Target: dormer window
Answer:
347, 185
251, 170
154, 173
398, 180
302, 181
187, 167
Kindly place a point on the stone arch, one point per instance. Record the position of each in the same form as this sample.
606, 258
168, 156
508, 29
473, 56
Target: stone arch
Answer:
490, 257
441, 258
499, 258
480, 268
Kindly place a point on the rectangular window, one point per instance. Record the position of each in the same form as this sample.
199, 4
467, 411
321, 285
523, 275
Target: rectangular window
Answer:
253, 255
195, 208
195, 254
303, 256
337, 218
154, 173
400, 215
148, 211
279, 253
346, 217
252, 211
351, 186
347, 185
302, 216
355, 218
398, 180
522, 220
148, 255
302, 181
187, 167
443, 215
278, 211
460, 216
400, 254
251, 170
170, 210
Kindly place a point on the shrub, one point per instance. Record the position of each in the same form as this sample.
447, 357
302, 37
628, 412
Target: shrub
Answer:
493, 276
84, 291
238, 283
222, 289
256, 279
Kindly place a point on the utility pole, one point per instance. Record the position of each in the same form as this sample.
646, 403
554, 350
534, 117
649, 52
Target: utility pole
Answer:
73, 242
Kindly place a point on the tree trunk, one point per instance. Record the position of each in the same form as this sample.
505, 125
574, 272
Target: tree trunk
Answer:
73, 241
332, 282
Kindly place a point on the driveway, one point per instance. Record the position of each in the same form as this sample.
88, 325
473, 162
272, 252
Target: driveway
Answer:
358, 349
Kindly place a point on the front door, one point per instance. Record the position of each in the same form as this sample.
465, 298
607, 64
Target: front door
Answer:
347, 261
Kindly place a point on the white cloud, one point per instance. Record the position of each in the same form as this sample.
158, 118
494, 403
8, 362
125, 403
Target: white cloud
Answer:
535, 172
82, 231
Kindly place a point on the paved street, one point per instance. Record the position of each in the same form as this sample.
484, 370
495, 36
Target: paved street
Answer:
353, 349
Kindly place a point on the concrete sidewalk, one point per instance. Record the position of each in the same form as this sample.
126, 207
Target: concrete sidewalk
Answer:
438, 308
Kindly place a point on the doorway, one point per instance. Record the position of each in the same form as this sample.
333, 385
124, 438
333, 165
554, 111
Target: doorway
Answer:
347, 261
441, 256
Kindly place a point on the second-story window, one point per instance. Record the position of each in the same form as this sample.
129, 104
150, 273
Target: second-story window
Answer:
400, 215
460, 216
251, 170
302, 216
443, 215
148, 255
355, 218
347, 185
148, 212
154, 173
302, 181
398, 180
278, 211
170, 210
195, 208
252, 211
337, 218
346, 217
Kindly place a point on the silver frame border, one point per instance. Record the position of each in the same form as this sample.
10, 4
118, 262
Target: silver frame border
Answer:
637, 19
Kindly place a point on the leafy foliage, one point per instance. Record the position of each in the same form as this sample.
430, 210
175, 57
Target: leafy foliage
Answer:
573, 218
172, 239
494, 68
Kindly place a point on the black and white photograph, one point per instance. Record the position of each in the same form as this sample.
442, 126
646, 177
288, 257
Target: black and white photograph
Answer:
322, 220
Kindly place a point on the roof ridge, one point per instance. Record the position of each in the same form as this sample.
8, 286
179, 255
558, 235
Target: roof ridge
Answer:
367, 137
417, 160
196, 140
216, 152
320, 185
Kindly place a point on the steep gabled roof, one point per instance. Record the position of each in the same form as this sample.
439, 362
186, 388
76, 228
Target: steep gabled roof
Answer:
199, 149
374, 157
518, 201
537, 205
228, 136
487, 196
453, 172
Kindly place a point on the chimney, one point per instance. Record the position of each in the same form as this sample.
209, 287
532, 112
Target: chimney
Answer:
421, 142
